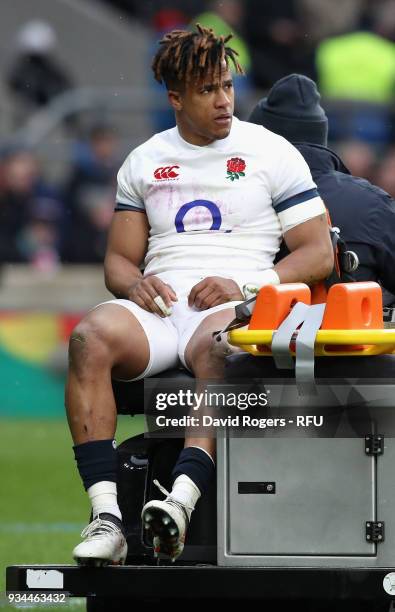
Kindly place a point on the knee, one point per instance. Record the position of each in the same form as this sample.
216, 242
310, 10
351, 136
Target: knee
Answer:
211, 353
90, 343
220, 349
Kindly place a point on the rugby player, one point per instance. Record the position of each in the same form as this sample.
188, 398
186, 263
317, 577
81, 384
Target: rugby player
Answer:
205, 206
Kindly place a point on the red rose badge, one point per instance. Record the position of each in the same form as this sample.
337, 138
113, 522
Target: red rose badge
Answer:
235, 168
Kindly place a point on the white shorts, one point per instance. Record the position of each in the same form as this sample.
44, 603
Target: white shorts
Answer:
168, 337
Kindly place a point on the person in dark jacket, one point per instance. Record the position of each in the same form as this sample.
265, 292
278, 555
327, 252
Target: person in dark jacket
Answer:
36, 76
364, 213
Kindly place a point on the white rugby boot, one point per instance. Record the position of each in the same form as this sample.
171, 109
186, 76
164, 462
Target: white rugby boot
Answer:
104, 543
166, 522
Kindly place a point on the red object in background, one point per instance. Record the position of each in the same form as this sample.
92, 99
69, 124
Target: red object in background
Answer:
67, 322
169, 19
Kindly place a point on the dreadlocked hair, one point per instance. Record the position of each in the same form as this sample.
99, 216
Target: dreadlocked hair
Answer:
185, 56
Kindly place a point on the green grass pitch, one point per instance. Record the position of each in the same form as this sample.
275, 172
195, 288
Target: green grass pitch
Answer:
43, 506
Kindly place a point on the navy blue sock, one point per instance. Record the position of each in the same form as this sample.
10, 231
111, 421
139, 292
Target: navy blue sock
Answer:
196, 464
96, 461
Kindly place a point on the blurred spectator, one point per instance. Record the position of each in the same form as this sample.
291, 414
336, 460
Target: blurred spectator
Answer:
89, 195
168, 19
35, 75
372, 9
30, 213
385, 176
357, 66
321, 18
359, 158
225, 17
96, 158
149, 8
38, 240
360, 67
87, 236
364, 213
278, 46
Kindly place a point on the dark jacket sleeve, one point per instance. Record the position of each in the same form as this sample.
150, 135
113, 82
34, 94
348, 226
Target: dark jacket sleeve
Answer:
382, 224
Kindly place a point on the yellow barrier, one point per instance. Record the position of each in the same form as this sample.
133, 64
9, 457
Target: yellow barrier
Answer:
361, 342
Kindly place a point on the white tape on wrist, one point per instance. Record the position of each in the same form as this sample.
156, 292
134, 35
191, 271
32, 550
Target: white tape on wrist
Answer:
267, 277
160, 303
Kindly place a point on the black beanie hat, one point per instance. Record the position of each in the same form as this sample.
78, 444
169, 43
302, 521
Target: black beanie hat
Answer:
292, 109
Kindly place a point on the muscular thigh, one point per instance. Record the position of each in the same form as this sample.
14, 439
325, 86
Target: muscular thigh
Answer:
139, 342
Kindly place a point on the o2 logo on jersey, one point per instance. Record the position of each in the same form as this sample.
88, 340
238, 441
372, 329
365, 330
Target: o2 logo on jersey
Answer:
166, 172
213, 208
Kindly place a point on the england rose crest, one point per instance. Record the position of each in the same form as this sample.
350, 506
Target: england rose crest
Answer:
235, 168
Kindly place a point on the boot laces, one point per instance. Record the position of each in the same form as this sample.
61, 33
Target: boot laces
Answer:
98, 528
173, 501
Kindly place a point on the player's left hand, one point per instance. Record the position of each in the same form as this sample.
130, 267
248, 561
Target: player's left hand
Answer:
212, 291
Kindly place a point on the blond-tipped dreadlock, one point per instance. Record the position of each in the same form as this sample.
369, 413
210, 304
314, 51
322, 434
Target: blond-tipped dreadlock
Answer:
186, 56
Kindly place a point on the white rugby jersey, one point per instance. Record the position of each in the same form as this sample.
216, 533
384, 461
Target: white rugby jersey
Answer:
220, 208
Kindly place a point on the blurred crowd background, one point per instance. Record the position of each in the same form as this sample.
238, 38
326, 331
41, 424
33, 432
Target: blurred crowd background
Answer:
77, 94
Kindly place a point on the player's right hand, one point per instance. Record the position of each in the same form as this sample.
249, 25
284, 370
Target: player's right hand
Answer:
144, 291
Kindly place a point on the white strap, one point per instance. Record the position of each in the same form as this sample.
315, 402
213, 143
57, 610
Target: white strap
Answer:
310, 319
282, 337
304, 364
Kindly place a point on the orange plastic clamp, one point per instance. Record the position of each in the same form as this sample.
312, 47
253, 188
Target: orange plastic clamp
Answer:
354, 306
274, 303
